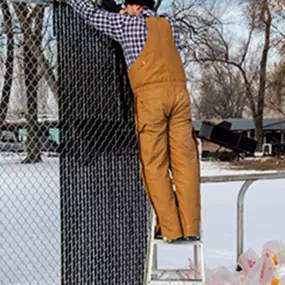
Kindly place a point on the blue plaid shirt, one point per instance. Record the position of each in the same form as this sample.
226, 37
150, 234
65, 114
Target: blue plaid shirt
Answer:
129, 31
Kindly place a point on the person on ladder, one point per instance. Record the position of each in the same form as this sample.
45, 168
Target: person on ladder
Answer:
163, 116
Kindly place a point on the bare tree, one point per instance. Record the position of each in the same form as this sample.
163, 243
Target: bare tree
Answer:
36, 58
18, 106
8, 77
221, 93
275, 99
210, 45
32, 37
194, 18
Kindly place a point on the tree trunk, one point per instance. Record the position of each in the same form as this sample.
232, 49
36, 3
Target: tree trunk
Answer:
263, 76
46, 70
258, 123
33, 130
45, 66
8, 77
32, 40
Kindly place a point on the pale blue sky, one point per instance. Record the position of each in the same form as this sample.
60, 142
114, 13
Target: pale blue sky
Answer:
230, 9
235, 24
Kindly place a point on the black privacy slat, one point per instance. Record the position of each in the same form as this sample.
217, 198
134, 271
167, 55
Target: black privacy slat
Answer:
103, 204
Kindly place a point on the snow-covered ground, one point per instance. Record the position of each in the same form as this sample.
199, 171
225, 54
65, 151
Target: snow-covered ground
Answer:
30, 223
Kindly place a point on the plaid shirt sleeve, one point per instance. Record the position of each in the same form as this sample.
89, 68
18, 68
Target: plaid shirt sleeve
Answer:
111, 24
176, 35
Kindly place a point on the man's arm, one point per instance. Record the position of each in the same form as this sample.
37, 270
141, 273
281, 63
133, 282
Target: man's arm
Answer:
176, 35
111, 24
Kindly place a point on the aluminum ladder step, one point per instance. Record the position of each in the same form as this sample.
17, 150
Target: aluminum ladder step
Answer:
156, 276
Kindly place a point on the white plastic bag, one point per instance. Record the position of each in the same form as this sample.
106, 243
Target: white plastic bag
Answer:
269, 269
253, 275
247, 260
220, 276
270, 266
278, 247
279, 276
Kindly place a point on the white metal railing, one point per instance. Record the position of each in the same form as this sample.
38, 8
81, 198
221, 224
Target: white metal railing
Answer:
248, 179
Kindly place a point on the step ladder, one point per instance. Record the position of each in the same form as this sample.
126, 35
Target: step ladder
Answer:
155, 276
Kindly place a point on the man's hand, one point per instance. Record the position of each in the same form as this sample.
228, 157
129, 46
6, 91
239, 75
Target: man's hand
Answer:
123, 11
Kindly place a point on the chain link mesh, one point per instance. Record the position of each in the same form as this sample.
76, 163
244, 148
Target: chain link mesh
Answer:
72, 207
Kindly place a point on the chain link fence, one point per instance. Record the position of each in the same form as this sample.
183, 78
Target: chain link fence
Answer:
72, 207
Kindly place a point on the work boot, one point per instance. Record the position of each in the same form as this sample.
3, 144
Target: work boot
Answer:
172, 240
189, 238
158, 235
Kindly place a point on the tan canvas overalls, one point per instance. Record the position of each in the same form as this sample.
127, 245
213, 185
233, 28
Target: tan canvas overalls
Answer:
165, 132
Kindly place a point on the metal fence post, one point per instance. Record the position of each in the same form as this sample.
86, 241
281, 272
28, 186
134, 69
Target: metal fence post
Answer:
240, 218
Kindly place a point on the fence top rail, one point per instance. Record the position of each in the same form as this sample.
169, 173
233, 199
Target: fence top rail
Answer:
243, 177
39, 2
